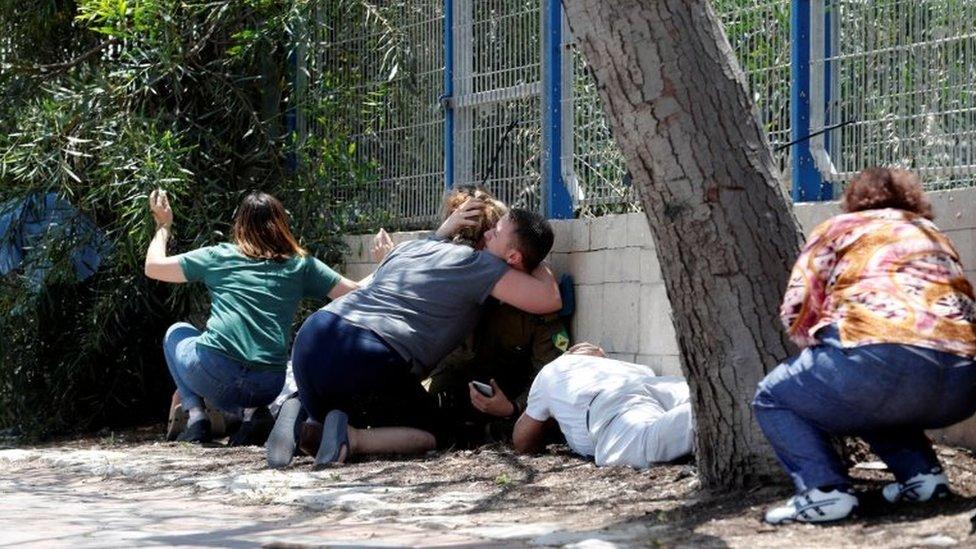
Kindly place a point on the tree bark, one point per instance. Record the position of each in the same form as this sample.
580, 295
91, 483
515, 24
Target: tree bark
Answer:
726, 235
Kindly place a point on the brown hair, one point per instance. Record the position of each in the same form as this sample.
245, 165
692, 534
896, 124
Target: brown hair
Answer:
876, 188
261, 229
533, 235
492, 211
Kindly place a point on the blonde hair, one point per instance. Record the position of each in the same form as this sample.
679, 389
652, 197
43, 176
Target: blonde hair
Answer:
491, 212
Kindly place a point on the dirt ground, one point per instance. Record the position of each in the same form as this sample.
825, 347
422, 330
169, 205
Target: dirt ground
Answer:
132, 490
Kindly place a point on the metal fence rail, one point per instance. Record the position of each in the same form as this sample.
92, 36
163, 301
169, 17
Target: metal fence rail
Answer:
759, 32
901, 74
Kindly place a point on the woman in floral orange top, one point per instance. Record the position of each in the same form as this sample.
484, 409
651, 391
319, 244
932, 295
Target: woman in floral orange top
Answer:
885, 316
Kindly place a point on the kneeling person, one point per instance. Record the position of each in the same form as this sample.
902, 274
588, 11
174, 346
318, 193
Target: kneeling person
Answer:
359, 361
617, 412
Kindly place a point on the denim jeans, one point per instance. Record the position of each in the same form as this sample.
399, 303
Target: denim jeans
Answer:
201, 373
887, 394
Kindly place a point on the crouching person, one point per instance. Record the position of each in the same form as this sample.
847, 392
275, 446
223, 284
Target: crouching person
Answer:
616, 412
256, 284
879, 301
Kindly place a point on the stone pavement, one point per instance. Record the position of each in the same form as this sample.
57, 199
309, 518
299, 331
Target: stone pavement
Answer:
179, 495
117, 493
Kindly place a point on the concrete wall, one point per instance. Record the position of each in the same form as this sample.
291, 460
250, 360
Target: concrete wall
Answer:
621, 303
620, 298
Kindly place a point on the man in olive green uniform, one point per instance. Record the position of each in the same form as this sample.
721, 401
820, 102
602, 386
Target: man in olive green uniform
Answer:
506, 351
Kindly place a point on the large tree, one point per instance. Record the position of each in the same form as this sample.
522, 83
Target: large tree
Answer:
726, 236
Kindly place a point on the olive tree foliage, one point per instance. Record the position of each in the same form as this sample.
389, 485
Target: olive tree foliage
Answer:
104, 101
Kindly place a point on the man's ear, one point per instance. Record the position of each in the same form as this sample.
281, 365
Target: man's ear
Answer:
514, 259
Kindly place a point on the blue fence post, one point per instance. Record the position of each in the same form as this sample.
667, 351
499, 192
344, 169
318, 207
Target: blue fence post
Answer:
556, 202
807, 183
448, 96
828, 72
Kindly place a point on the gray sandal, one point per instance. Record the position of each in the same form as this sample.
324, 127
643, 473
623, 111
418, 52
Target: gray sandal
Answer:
335, 435
283, 439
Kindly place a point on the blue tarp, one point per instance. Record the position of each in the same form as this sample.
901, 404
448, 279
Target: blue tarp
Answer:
29, 222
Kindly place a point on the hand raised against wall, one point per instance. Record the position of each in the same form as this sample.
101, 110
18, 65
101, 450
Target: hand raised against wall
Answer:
382, 245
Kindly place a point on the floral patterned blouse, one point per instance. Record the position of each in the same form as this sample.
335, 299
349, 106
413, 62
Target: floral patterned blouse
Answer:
882, 276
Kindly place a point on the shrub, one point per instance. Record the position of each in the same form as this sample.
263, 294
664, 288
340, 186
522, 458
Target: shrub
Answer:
104, 102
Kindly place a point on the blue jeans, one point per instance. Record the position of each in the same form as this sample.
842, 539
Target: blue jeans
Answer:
887, 394
201, 373
340, 366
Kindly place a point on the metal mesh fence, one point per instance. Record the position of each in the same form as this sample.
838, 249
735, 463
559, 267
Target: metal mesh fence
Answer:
393, 112
497, 98
903, 74
376, 72
899, 71
759, 32
598, 181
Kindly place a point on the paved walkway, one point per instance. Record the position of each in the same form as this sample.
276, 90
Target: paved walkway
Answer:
170, 495
124, 494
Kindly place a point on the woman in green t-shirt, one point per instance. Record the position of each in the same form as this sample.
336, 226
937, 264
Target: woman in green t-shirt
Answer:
256, 284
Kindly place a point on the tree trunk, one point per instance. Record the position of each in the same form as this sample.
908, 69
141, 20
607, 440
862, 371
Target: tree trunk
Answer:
726, 236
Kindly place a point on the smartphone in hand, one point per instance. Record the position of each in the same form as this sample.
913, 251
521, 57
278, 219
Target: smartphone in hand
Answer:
483, 388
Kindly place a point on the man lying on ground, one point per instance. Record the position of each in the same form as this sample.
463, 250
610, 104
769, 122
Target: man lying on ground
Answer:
616, 412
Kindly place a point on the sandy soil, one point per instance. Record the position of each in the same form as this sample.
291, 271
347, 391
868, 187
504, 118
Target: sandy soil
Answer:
129, 489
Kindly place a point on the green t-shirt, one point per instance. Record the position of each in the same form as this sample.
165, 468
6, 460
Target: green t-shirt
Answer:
253, 301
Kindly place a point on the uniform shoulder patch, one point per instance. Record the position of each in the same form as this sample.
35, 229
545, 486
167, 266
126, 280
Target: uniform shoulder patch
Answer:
560, 340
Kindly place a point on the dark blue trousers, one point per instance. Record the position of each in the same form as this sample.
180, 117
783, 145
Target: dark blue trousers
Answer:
341, 366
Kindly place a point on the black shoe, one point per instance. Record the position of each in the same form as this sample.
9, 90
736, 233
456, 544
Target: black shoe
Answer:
310, 438
255, 431
283, 440
197, 432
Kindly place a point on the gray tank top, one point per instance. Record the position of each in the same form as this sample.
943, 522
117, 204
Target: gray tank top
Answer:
425, 297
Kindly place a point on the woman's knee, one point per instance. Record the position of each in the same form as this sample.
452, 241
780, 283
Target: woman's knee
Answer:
780, 385
764, 397
179, 331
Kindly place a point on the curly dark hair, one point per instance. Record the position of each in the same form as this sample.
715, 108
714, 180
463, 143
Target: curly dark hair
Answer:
876, 188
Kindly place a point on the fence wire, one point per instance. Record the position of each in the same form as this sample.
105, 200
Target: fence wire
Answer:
903, 76
759, 32
375, 72
497, 105
900, 71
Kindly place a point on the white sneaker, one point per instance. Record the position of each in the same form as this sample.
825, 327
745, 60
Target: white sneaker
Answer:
921, 487
813, 506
